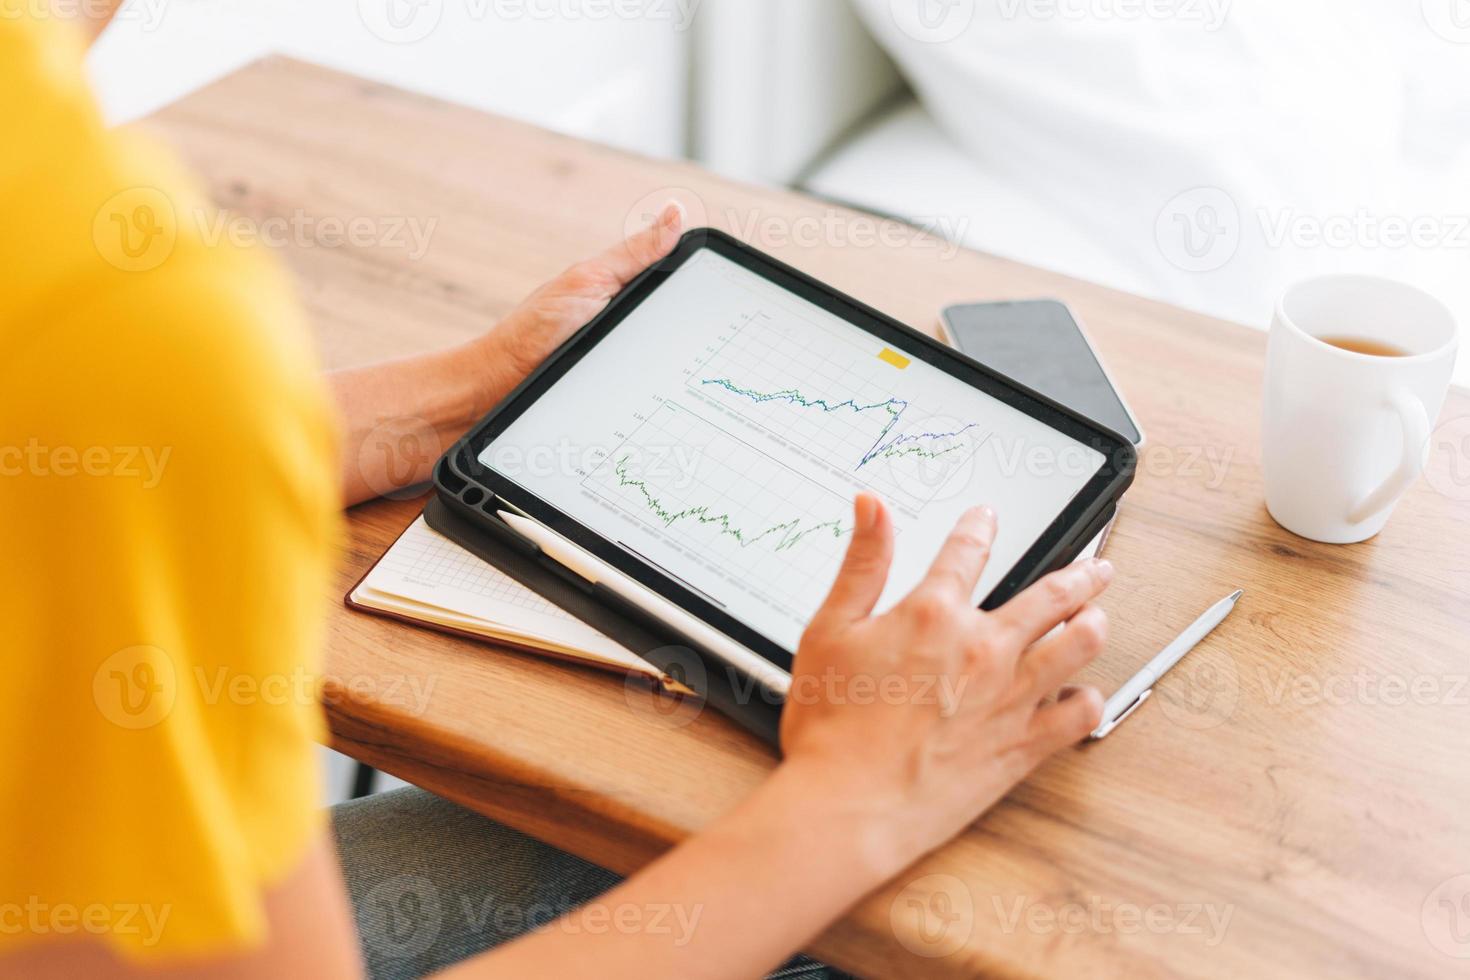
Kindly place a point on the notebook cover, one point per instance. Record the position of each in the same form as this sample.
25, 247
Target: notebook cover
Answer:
531, 648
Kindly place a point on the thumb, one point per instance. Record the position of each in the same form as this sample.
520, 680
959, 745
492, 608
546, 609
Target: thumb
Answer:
864, 570
625, 260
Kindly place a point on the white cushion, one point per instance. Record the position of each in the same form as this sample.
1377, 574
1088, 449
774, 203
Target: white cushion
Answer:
902, 164
1194, 156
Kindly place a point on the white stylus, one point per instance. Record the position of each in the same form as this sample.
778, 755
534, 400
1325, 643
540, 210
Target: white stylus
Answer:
1132, 694
597, 571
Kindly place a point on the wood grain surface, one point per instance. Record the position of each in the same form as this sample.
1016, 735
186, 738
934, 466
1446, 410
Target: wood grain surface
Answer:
1295, 800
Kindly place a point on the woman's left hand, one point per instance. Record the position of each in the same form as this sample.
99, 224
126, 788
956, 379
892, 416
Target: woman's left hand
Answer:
399, 416
519, 343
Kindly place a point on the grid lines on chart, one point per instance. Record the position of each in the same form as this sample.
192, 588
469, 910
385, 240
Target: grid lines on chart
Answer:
760, 355
833, 400
778, 533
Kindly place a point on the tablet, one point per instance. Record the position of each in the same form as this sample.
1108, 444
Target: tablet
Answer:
707, 433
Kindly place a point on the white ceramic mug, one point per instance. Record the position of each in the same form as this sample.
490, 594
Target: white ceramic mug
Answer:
1344, 433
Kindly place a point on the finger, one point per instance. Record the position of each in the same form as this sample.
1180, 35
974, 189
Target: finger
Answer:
1054, 599
625, 260
962, 558
1062, 694
1050, 663
864, 570
1072, 718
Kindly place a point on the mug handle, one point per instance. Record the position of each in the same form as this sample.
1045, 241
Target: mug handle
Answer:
1415, 421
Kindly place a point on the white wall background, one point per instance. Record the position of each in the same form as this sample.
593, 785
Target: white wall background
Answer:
618, 77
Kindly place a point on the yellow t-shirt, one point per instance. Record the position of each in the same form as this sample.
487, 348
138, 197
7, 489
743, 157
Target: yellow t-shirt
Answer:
168, 513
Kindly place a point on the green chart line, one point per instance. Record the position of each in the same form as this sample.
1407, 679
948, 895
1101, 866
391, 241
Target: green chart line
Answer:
920, 451
787, 535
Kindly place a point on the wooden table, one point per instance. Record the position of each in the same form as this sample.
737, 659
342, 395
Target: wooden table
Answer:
1295, 801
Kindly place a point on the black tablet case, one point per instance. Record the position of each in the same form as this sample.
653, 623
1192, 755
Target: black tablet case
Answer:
461, 512
466, 513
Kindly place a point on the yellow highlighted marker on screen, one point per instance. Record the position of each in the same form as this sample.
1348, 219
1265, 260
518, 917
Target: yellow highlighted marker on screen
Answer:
893, 357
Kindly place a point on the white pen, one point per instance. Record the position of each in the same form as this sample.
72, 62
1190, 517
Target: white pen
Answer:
595, 570
1132, 694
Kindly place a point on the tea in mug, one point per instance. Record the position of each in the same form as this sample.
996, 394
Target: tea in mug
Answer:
1362, 345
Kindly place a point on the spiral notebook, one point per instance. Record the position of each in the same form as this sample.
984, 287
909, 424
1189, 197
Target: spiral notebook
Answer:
427, 579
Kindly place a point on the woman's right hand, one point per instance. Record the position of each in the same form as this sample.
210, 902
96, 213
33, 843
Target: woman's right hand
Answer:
919, 719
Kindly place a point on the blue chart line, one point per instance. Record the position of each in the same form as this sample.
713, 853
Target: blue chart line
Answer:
891, 449
882, 446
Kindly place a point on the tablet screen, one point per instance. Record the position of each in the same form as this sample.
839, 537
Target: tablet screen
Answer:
720, 432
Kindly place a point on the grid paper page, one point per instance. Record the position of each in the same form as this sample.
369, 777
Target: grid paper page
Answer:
424, 571
425, 557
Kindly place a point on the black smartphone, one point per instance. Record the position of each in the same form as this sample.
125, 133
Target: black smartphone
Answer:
1039, 343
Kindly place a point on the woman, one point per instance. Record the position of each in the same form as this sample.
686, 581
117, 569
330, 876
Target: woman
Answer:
157, 817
